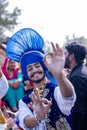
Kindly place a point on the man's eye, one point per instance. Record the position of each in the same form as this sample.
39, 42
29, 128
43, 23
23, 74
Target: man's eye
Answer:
29, 69
37, 66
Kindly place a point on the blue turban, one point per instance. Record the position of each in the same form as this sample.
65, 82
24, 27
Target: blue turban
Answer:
22, 41
21, 46
30, 58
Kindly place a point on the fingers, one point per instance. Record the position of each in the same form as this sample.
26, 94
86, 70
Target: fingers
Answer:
48, 58
59, 49
10, 122
35, 96
56, 48
46, 102
31, 105
53, 47
12, 114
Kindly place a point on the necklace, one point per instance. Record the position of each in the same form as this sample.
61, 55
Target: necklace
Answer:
41, 89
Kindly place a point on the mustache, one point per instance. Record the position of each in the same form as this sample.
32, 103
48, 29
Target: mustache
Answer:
40, 72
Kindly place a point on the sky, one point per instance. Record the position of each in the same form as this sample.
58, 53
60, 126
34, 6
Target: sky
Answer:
52, 19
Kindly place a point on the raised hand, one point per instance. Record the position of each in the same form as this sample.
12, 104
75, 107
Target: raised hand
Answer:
40, 105
55, 61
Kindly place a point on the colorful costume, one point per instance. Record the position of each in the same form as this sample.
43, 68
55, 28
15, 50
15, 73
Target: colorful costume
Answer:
25, 40
60, 105
13, 95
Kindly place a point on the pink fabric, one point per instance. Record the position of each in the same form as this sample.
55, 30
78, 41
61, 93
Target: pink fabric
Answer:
4, 69
2, 103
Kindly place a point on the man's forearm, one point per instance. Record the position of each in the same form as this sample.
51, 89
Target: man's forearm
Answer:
65, 85
31, 122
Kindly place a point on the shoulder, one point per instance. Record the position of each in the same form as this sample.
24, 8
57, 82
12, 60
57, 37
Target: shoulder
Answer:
51, 85
79, 71
26, 99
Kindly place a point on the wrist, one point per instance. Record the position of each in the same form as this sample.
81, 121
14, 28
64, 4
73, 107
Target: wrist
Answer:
60, 75
36, 118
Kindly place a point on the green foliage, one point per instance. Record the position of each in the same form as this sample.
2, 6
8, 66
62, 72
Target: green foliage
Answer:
7, 20
81, 40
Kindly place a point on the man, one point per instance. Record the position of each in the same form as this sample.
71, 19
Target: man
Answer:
75, 54
46, 99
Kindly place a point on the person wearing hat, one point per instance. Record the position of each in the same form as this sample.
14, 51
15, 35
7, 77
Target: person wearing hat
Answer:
41, 108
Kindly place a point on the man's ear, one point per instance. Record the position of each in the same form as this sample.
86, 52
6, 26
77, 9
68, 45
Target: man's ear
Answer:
71, 57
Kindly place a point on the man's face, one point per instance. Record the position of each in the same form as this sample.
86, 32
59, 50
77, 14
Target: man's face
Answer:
35, 72
67, 60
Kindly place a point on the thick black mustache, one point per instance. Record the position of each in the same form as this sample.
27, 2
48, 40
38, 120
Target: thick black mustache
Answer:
40, 72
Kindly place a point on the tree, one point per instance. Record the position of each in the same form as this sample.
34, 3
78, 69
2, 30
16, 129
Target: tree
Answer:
82, 40
7, 20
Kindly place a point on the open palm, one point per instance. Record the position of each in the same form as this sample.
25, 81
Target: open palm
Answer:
55, 61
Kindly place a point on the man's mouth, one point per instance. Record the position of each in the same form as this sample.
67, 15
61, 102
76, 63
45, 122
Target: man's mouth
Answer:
35, 74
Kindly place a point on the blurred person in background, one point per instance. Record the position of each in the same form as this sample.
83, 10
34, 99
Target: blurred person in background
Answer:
2, 54
16, 86
75, 54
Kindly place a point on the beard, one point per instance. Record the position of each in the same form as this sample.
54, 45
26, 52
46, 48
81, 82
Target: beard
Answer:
38, 80
67, 63
67, 66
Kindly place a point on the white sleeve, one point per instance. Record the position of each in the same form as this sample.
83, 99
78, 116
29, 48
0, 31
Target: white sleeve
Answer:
23, 112
1, 126
65, 104
3, 86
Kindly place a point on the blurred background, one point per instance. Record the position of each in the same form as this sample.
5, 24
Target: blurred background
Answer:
56, 20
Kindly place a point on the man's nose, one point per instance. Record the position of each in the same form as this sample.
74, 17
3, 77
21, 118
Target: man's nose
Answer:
34, 69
